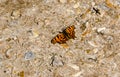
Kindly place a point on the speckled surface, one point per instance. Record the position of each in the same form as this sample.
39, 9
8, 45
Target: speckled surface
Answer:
27, 27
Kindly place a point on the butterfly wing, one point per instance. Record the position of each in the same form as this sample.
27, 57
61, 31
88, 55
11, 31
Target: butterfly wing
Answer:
60, 38
69, 32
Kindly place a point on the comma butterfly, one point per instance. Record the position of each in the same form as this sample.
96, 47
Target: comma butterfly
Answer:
65, 35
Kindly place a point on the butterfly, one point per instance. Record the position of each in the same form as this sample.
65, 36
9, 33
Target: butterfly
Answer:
65, 35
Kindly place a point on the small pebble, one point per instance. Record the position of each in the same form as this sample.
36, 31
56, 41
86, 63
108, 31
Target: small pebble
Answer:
74, 66
62, 1
93, 43
29, 55
78, 74
15, 14
110, 38
101, 29
76, 5
56, 62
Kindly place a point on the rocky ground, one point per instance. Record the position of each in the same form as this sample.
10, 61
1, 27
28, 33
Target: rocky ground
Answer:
27, 27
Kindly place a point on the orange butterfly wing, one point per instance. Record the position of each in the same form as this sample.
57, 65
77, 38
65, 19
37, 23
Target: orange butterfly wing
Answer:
69, 32
60, 38
64, 36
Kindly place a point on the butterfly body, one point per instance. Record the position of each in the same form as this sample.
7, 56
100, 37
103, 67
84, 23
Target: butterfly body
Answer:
64, 36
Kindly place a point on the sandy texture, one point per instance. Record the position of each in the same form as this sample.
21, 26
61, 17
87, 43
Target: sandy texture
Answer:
27, 27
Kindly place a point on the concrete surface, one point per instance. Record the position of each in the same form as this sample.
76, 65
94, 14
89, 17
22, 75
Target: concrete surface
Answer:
27, 27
